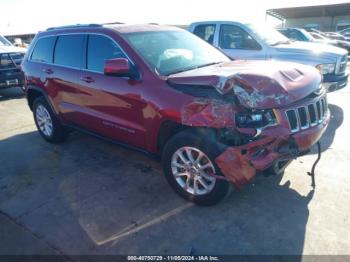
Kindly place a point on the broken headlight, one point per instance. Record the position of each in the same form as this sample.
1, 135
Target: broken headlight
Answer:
256, 119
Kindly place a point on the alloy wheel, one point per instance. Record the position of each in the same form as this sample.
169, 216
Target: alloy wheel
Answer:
193, 170
44, 120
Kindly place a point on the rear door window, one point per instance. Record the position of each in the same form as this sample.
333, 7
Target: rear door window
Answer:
69, 50
206, 32
100, 49
234, 37
43, 50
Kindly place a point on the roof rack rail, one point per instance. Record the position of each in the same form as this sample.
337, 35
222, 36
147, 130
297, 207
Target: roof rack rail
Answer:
74, 26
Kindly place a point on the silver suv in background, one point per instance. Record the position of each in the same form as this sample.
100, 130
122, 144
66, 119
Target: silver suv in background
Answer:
247, 41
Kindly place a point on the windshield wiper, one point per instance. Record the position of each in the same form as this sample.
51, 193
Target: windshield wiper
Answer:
209, 64
281, 43
180, 71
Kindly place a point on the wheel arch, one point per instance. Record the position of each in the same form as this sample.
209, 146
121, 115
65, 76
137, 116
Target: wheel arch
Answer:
33, 92
169, 128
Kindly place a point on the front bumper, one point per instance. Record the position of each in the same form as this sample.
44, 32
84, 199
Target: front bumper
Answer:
240, 164
11, 78
335, 82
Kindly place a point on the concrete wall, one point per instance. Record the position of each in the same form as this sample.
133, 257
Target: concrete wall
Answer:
326, 23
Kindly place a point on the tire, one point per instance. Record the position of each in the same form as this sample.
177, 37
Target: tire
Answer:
192, 141
41, 109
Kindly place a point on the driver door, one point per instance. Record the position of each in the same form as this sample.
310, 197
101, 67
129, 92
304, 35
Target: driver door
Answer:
110, 105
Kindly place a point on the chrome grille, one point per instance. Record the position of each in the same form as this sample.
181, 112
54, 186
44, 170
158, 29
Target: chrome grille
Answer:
308, 116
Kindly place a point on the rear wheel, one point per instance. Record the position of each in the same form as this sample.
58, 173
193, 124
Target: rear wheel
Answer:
189, 165
47, 123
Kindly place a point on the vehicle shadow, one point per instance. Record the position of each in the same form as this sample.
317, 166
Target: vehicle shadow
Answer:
87, 196
11, 93
337, 118
266, 218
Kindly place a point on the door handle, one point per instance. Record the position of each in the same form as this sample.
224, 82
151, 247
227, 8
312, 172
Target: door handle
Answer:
87, 79
48, 71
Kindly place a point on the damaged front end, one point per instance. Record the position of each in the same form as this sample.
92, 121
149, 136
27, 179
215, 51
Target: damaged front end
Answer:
263, 119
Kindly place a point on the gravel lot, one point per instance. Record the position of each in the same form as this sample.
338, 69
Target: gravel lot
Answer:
87, 196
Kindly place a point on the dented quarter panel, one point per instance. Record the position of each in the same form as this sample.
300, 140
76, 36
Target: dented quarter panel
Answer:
203, 112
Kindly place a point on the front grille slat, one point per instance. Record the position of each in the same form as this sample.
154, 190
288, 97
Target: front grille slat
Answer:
324, 107
318, 107
302, 113
293, 121
308, 116
312, 114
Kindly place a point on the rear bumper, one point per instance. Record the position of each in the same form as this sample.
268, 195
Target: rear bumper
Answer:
11, 78
240, 164
335, 82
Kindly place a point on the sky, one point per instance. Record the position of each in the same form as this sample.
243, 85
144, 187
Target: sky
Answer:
30, 16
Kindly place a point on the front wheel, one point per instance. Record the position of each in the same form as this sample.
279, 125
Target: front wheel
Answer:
189, 165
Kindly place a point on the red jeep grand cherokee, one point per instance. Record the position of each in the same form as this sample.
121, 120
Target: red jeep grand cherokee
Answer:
165, 91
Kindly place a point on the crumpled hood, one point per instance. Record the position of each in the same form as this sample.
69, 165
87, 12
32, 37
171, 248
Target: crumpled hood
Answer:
256, 84
11, 49
311, 48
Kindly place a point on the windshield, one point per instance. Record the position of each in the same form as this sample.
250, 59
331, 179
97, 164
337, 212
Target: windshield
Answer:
169, 52
270, 35
4, 41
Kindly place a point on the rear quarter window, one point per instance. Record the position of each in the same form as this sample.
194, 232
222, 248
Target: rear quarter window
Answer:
69, 50
43, 50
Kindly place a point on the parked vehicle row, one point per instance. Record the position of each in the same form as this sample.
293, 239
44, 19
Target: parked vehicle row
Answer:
162, 90
345, 32
330, 38
299, 34
246, 41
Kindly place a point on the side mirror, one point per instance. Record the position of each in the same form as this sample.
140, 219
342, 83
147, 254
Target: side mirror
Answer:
118, 67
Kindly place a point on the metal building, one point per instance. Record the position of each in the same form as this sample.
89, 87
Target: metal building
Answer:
332, 17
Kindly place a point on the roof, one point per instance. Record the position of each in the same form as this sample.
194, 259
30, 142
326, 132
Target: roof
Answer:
311, 11
127, 28
120, 27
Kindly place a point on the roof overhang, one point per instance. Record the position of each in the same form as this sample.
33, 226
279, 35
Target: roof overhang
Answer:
310, 11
